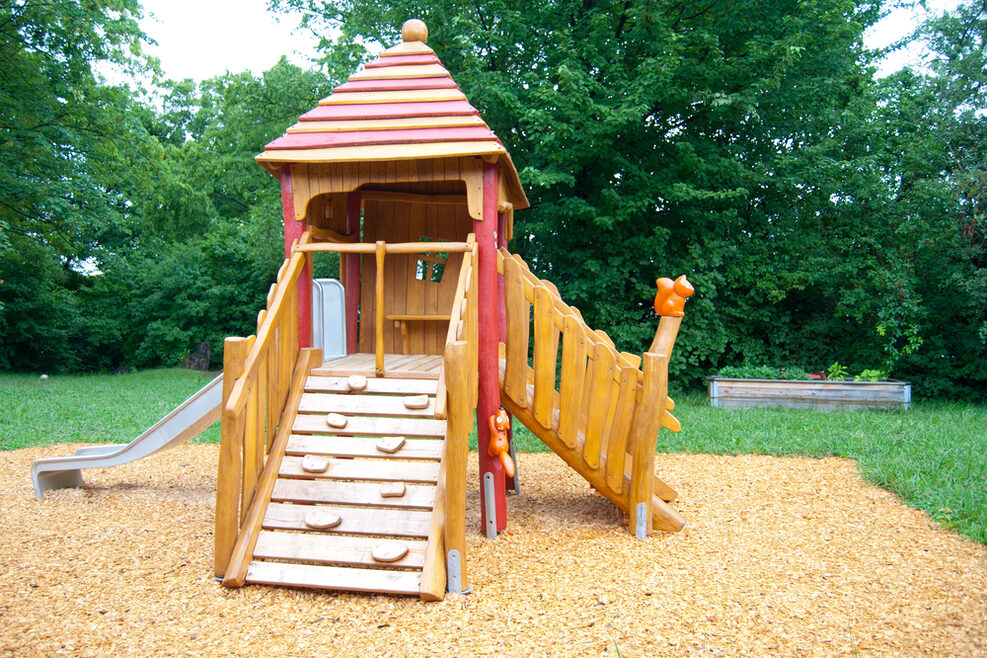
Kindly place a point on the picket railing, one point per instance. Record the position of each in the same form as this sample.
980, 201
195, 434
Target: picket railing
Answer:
257, 379
604, 417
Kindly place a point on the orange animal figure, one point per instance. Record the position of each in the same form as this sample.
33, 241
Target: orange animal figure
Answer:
499, 423
670, 300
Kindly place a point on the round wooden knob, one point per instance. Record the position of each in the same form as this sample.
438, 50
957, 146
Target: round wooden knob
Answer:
414, 30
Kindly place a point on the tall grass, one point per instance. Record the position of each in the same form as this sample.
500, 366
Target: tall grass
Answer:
934, 456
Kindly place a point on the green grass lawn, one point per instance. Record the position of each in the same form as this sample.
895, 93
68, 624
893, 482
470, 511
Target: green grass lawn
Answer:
91, 408
934, 456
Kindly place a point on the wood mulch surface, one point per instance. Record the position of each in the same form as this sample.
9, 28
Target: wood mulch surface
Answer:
780, 556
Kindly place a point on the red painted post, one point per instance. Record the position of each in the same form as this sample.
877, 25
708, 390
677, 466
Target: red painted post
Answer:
510, 480
351, 263
293, 230
488, 399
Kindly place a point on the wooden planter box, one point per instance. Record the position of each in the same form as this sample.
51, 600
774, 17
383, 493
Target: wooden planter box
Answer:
727, 393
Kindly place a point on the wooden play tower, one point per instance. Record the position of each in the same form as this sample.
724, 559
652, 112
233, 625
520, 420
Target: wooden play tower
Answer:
350, 473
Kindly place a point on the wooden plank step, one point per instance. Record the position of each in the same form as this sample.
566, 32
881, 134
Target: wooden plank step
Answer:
378, 470
367, 405
354, 520
374, 385
354, 446
350, 493
342, 578
369, 426
333, 549
328, 371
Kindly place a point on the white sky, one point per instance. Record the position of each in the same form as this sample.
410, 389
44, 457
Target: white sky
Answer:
200, 39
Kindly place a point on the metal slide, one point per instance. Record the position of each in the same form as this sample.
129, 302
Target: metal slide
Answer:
185, 422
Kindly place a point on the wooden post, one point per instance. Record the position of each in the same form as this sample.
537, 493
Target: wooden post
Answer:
379, 303
642, 441
230, 465
511, 482
293, 230
457, 451
351, 263
488, 398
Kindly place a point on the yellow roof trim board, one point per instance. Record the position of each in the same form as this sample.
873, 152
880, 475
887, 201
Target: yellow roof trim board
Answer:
382, 152
407, 71
386, 124
410, 96
408, 48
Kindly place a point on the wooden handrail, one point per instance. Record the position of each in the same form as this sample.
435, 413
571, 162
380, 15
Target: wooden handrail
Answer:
389, 247
287, 277
236, 570
257, 381
456, 318
532, 283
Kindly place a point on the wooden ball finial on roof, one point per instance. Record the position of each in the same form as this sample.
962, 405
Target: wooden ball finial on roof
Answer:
414, 30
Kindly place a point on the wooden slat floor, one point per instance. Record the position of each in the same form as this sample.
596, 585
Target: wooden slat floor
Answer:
416, 366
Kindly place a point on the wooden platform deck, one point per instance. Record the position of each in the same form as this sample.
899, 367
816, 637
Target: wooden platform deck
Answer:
401, 366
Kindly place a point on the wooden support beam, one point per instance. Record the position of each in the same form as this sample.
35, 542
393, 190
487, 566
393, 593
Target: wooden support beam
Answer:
379, 299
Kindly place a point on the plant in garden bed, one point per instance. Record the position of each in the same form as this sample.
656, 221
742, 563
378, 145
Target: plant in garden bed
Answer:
835, 372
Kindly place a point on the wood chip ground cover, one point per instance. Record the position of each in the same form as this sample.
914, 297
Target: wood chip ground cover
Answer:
780, 557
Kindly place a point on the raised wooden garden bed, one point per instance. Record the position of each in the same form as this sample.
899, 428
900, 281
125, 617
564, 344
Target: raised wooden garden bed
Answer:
727, 393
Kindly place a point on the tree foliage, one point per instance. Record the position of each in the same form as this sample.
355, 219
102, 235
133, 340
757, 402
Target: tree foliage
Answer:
823, 215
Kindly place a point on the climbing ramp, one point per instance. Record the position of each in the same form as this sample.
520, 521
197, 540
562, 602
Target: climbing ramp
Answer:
353, 502
604, 417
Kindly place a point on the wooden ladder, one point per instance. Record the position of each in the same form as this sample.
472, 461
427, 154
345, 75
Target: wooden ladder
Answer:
370, 521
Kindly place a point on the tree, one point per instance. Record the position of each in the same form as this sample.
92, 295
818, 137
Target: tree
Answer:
667, 137
67, 139
935, 160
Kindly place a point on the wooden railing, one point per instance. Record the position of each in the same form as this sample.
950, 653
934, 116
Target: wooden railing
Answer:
462, 326
257, 379
604, 417
455, 401
457, 375
380, 249
445, 558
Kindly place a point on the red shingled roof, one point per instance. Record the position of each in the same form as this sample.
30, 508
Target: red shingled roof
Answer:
383, 104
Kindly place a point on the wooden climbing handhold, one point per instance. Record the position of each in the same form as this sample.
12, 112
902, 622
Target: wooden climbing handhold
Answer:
416, 402
389, 551
357, 382
322, 519
336, 420
314, 464
390, 444
392, 490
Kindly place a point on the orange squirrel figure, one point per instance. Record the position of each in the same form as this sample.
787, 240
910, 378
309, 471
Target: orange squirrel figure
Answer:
670, 300
497, 447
